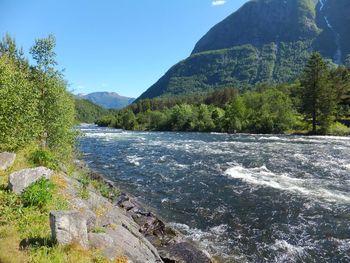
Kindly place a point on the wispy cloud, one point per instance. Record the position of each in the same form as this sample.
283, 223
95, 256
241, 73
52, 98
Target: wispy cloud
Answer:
218, 2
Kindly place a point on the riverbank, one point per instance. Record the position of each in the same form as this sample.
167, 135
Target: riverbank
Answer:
119, 228
171, 245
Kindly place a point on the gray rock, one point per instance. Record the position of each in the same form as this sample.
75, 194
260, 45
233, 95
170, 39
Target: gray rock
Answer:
184, 252
68, 227
100, 240
90, 219
6, 160
20, 180
135, 249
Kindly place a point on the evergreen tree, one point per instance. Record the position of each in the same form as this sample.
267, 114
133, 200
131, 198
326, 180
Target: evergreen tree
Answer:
317, 95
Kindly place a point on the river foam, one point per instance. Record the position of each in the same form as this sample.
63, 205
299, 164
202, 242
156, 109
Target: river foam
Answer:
261, 176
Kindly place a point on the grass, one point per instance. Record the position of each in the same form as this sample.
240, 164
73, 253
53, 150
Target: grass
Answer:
25, 234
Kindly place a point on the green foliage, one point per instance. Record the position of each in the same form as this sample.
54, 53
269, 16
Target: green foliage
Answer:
56, 105
266, 111
18, 106
34, 102
99, 230
43, 53
240, 66
59, 118
9, 48
128, 120
318, 96
106, 121
235, 115
88, 112
269, 112
42, 157
339, 129
38, 194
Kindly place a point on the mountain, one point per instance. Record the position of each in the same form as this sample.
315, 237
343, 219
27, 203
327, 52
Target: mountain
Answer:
108, 100
265, 41
87, 111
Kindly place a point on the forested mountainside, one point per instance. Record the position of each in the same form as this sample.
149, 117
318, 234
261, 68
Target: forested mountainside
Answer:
265, 41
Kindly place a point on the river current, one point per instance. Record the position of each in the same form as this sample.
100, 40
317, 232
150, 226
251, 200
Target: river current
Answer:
244, 198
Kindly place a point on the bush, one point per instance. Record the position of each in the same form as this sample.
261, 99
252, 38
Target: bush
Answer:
38, 194
45, 158
338, 128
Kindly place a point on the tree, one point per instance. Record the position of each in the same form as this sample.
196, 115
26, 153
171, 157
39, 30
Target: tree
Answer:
182, 118
128, 120
18, 106
56, 105
317, 95
235, 115
8, 46
204, 119
218, 116
43, 53
340, 82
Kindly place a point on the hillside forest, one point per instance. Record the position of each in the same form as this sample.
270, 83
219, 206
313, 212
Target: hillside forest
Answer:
318, 102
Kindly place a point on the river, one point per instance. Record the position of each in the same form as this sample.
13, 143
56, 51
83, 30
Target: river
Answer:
244, 198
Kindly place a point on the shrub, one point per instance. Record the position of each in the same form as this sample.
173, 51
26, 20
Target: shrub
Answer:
45, 158
111, 193
38, 194
338, 128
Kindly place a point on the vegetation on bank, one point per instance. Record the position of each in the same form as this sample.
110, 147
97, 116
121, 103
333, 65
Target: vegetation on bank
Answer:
36, 121
35, 106
87, 111
316, 103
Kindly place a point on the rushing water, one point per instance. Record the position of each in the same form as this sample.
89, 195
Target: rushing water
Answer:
245, 198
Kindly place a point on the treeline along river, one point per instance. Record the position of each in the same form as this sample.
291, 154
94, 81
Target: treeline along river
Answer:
245, 198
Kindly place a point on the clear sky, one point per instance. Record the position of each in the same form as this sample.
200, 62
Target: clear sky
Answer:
114, 45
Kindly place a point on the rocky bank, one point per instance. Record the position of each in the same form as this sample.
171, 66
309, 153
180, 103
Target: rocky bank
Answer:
119, 227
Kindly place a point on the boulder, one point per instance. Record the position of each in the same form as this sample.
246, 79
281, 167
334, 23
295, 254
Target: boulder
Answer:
127, 244
20, 180
184, 252
100, 240
69, 227
6, 160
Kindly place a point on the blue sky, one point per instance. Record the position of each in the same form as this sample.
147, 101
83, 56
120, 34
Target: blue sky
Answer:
114, 45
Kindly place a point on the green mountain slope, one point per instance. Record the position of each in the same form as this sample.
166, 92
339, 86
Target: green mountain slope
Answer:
88, 112
265, 41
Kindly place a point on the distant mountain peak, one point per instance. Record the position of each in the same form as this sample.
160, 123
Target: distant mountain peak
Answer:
108, 100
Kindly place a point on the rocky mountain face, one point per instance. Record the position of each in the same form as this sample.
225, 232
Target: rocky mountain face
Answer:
262, 22
108, 100
265, 41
